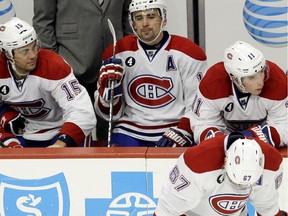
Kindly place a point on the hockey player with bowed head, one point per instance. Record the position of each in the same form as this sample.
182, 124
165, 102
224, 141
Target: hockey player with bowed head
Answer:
156, 75
218, 176
42, 103
245, 93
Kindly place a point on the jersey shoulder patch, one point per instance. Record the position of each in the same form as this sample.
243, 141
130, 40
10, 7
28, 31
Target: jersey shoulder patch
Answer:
51, 66
206, 157
273, 158
186, 46
216, 83
128, 43
277, 80
4, 68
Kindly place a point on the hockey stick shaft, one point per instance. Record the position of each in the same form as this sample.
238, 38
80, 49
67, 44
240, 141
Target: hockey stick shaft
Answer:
112, 30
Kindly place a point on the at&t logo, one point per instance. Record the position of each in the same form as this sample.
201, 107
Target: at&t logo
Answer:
267, 21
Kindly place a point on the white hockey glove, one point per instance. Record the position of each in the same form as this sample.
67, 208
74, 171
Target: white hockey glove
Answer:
111, 71
175, 138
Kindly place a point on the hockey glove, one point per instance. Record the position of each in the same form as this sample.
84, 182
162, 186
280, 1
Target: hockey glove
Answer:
231, 138
263, 134
12, 122
212, 133
111, 71
67, 139
8, 140
175, 138
283, 213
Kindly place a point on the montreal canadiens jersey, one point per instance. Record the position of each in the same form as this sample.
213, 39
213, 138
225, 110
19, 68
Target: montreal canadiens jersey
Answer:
50, 98
220, 105
158, 85
198, 185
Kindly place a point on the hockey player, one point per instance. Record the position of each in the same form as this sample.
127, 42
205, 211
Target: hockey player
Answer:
156, 75
42, 102
218, 176
244, 93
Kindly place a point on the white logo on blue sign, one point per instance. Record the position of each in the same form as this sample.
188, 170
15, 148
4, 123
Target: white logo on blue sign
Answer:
37, 197
267, 21
132, 194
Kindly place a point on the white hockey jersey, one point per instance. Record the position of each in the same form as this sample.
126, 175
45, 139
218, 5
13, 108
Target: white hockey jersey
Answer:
219, 105
50, 98
198, 185
158, 85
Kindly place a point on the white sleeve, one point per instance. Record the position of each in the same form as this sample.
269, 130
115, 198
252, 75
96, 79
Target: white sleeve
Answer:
265, 197
180, 193
75, 103
102, 107
206, 114
192, 72
277, 118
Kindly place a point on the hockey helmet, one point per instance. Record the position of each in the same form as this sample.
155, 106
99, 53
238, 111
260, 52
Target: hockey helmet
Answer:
143, 5
241, 60
244, 162
139, 5
16, 33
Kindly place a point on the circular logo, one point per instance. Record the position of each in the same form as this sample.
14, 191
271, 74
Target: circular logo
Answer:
4, 90
6, 11
127, 203
267, 21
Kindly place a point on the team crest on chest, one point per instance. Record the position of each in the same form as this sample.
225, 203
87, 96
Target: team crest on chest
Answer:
31, 109
151, 91
228, 204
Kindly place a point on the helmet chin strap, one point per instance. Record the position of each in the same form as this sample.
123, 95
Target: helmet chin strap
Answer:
12, 62
151, 42
239, 85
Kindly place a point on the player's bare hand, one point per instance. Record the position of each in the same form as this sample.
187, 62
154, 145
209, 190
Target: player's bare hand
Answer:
58, 144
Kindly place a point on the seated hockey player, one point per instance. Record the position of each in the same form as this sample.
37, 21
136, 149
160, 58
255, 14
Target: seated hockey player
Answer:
218, 176
42, 103
156, 77
245, 93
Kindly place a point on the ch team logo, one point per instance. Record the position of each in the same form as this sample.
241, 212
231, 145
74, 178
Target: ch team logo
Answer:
151, 91
31, 109
228, 204
132, 194
35, 197
267, 21
7, 11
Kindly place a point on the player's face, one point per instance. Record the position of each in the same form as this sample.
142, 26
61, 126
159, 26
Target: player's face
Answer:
147, 25
254, 84
26, 58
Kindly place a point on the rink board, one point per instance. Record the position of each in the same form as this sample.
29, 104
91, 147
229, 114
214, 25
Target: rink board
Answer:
88, 181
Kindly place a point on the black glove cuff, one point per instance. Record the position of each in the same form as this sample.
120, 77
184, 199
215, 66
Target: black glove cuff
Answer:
68, 140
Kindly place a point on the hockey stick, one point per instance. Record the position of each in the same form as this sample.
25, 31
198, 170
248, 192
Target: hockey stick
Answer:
112, 30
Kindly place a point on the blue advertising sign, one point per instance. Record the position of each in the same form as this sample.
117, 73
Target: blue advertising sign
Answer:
37, 197
132, 194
